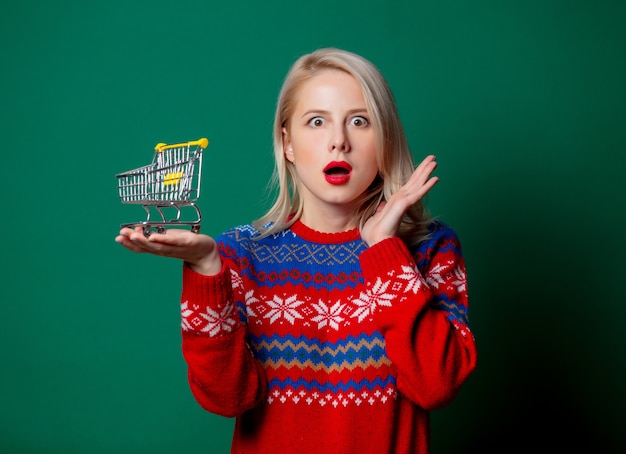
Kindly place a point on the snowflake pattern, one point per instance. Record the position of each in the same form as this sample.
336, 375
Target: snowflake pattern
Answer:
376, 296
284, 309
186, 314
379, 295
460, 280
435, 275
235, 278
365, 306
412, 278
328, 316
211, 321
250, 301
441, 274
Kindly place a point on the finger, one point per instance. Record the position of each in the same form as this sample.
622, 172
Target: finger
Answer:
129, 244
427, 160
414, 190
420, 177
425, 169
426, 187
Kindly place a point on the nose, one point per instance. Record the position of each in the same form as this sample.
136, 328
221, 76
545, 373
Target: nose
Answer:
339, 140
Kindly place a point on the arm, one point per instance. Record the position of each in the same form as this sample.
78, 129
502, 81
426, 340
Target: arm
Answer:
223, 375
422, 313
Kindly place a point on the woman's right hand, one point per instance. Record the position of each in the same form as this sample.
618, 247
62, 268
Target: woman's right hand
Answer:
385, 222
199, 251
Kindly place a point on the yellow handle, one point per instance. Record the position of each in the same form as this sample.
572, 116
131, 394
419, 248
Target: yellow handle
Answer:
203, 143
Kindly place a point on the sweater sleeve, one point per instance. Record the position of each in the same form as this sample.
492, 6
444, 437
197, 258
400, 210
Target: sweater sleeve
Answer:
422, 313
223, 375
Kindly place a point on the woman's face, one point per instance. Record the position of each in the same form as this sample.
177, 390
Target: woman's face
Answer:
331, 142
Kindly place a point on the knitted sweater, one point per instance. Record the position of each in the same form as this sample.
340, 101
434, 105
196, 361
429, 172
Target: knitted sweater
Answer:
317, 343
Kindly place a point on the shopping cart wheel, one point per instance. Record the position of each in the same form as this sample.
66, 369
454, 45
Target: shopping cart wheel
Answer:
195, 228
160, 229
147, 231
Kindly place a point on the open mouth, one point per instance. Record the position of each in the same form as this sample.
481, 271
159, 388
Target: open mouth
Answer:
337, 168
337, 172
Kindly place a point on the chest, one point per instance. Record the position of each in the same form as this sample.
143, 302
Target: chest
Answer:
305, 289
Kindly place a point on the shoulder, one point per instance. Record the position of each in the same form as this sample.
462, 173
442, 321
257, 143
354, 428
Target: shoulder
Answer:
240, 232
440, 231
237, 236
234, 241
247, 233
441, 239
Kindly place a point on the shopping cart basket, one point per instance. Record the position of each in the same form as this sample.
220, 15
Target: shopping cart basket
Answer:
171, 181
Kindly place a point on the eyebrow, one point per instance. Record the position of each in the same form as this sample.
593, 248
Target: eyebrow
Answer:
327, 112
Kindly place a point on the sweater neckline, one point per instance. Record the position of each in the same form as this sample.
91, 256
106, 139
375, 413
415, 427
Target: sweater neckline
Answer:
307, 233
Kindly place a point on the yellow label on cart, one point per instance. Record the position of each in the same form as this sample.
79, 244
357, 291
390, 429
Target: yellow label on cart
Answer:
172, 178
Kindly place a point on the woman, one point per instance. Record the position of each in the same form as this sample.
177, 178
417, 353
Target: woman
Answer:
337, 321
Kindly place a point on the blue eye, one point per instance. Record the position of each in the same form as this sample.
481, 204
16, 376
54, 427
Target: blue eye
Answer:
317, 122
359, 122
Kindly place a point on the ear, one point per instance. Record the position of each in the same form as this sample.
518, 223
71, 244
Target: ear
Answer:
287, 148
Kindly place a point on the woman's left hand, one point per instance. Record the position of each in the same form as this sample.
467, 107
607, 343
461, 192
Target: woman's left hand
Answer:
386, 220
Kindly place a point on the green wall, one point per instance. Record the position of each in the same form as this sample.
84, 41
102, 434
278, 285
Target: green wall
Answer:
522, 102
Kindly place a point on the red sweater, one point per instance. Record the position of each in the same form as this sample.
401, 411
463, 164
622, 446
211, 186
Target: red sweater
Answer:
318, 344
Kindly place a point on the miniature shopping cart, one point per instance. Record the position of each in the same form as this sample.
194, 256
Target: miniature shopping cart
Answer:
170, 182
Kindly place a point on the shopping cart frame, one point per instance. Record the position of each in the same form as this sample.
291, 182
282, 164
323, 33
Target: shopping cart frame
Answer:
171, 181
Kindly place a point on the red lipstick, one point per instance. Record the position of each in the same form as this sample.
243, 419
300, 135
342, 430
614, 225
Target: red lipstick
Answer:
337, 172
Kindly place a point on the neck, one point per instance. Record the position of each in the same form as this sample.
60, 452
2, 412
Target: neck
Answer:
328, 222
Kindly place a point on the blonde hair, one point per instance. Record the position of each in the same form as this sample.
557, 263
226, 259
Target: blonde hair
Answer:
395, 162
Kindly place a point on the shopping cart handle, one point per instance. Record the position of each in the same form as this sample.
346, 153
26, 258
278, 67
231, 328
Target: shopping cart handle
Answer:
203, 143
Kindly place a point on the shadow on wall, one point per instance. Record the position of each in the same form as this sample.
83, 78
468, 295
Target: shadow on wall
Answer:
545, 380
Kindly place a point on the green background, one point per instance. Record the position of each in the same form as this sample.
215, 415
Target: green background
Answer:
523, 102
